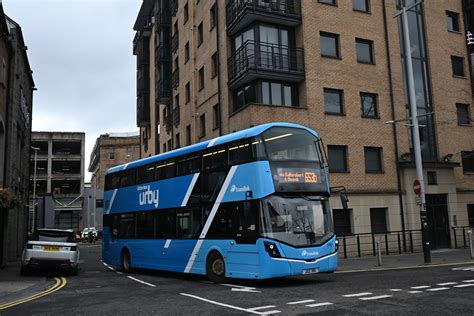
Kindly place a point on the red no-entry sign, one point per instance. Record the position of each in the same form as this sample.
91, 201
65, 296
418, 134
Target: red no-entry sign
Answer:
417, 187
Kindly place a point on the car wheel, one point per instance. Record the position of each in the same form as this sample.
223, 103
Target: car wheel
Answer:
125, 261
215, 268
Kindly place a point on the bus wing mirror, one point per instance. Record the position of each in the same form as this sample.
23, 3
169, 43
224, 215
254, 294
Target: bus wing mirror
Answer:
344, 199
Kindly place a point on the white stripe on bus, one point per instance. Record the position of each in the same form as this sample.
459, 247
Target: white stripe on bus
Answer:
211, 143
167, 244
210, 218
111, 201
190, 189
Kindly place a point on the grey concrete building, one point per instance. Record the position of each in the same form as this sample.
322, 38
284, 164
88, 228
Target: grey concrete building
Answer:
16, 103
59, 175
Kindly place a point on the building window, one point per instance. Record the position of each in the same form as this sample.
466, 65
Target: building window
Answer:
463, 114
186, 13
164, 147
169, 145
200, 34
177, 142
188, 135
186, 52
368, 104
432, 178
342, 221
337, 156
458, 66
365, 51
378, 220
244, 96
333, 101
470, 214
452, 19
111, 156
467, 158
329, 45
213, 16
201, 78
331, 2
214, 65
187, 93
176, 100
276, 93
373, 159
202, 125
216, 116
99, 203
361, 5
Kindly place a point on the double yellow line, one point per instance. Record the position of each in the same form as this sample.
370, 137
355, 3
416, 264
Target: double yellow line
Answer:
60, 283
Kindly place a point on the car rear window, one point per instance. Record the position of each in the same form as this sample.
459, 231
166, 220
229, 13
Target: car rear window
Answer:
54, 236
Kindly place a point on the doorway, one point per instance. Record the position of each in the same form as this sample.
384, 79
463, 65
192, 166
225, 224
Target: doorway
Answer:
438, 220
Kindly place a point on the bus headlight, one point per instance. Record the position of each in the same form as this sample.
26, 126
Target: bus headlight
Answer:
337, 245
272, 249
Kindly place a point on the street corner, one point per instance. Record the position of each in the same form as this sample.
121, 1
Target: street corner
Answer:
16, 292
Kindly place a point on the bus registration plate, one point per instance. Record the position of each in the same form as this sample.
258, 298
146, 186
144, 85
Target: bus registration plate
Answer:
310, 271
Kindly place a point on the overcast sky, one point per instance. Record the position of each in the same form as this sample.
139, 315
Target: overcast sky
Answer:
80, 52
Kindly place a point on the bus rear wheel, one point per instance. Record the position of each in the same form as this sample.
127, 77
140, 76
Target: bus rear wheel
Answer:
125, 261
215, 268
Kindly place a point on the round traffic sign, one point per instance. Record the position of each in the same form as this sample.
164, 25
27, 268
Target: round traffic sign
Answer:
417, 187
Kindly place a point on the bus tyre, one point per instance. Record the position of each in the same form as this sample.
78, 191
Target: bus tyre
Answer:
125, 261
215, 268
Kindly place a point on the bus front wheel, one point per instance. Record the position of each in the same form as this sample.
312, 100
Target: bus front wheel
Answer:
215, 267
125, 261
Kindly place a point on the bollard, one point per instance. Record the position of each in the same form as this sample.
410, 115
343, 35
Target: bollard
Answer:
379, 253
471, 243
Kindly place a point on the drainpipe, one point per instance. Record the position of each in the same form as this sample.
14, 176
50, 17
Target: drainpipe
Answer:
394, 126
218, 69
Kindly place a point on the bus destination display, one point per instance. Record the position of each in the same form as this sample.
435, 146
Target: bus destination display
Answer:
296, 175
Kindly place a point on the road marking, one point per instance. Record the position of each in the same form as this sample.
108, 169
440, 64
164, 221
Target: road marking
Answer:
438, 289
375, 297
140, 281
420, 287
464, 285
300, 302
357, 294
60, 283
463, 269
261, 307
415, 292
241, 288
320, 304
111, 268
229, 306
396, 290
468, 281
447, 283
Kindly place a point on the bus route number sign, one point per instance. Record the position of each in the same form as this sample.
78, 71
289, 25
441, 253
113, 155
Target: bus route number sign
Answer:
296, 175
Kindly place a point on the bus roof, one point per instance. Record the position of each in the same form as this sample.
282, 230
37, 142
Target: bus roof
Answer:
243, 134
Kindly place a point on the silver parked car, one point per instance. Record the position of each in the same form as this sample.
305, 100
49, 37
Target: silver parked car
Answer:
51, 248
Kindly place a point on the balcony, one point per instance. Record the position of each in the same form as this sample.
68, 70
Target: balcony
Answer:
143, 110
240, 13
175, 79
163, 53
163, 17
175, 42
176, 116
255, 60
163, 89
174, 7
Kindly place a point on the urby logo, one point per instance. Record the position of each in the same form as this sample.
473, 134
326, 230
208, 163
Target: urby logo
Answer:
147, 196
234, 188
309, 253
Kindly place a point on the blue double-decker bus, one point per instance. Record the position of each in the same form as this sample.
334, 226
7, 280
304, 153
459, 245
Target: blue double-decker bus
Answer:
252, 204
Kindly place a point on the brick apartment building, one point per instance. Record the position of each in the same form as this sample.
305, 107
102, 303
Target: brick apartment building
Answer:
16, 104
207, 68
110, 150
59, 178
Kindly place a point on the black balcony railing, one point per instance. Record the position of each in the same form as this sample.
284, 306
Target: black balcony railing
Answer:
175, 79
163, 17
174, 7
163, 88
175, 42
266, 58
163, 53
169, 122
288, 12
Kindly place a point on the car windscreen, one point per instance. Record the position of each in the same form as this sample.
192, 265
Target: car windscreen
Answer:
53, 236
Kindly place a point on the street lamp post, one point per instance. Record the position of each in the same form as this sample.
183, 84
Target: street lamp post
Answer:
33, 204
416, 132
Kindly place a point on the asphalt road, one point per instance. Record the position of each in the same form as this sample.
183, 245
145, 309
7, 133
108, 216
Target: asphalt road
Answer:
101, 290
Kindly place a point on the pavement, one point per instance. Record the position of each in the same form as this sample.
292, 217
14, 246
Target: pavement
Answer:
14, 286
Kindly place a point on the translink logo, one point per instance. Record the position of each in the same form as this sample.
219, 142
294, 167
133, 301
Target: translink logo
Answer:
147, 196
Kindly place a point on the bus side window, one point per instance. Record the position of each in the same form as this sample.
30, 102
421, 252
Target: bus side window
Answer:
258, 149
217, 158
165, 170
146, 174
112, 181
188, 165
128, 178
239, 152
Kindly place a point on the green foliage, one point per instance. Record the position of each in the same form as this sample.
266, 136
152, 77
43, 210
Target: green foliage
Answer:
8, 199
